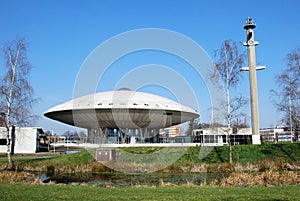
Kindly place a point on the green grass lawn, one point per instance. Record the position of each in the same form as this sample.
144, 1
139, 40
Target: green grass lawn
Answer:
60, 192
287, 152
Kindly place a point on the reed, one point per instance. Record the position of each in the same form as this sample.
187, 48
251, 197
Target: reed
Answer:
268, 178
13, 177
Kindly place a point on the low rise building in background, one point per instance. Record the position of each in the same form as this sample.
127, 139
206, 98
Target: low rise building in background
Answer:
279, 134
26, 140
219, 136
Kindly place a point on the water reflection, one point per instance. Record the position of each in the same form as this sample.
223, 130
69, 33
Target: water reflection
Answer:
125, 180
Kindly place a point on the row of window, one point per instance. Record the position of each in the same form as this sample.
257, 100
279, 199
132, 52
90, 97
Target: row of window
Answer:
145, 104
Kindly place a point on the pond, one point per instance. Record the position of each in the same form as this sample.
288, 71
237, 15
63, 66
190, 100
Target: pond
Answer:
125, 180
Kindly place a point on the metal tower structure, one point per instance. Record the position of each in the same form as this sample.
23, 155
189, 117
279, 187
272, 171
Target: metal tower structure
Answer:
251, 43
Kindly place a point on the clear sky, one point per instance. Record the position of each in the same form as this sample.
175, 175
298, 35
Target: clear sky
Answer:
62, 33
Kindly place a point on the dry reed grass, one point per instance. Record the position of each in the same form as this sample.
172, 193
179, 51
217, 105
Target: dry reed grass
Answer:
245, 179
166, 184
260, 166
268, 178
12, 177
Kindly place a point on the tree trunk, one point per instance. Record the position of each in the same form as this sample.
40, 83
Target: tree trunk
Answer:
229, 125
230, 152
230, 147
10, 164
229, 119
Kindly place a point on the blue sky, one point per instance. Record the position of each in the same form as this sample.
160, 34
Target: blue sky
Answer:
62, 33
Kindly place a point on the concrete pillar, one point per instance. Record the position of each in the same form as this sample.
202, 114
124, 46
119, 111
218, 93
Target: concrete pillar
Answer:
251, 43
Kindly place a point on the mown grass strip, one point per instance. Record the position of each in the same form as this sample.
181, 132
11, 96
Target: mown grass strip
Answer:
61, 192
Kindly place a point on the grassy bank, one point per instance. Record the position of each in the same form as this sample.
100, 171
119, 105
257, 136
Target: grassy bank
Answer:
287, 152
59, 192
264, 170
247, 158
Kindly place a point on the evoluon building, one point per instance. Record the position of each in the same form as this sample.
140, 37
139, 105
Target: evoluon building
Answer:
123, 115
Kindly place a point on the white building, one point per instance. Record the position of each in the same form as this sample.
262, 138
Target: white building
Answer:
278, 134
26, 140
220, 135
116, 116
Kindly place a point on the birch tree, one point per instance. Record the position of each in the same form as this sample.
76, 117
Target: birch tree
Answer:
228, 61
16, 93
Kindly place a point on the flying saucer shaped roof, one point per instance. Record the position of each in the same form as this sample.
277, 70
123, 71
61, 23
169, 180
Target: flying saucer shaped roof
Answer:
121, 109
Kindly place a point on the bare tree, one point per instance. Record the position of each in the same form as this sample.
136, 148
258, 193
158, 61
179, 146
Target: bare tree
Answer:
228, 61
82, 136
193, 124
16, 93
288, 94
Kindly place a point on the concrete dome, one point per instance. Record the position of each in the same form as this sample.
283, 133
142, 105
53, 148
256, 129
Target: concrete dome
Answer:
121, 109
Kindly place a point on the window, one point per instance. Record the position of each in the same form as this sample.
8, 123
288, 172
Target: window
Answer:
3, 141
